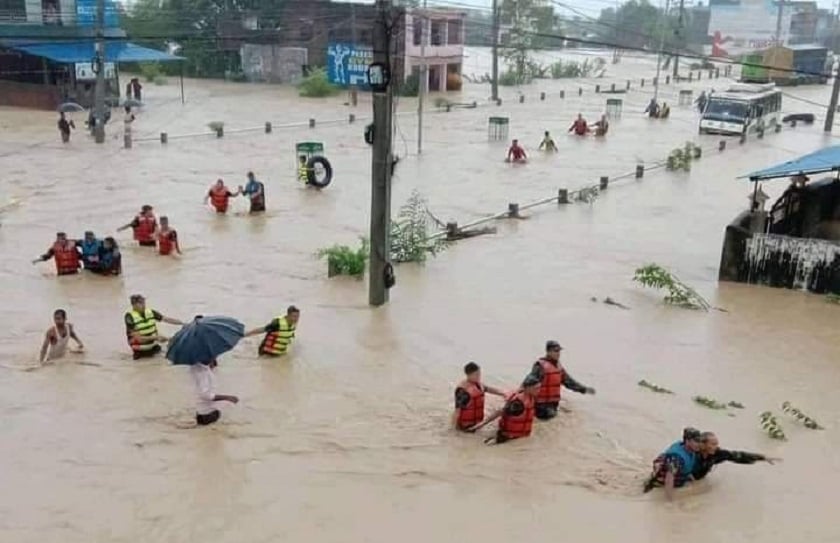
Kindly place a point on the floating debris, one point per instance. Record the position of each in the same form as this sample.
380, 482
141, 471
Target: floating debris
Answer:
807, 421
656, 388
679, 294
709, 402
789, 262
681, 157
770, 425
736, 405
587, 195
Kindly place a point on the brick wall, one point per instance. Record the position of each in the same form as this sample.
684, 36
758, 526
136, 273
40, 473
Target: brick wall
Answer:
29, 95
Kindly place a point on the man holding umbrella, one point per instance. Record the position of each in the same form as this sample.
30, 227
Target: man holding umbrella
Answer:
197, 345
141, 328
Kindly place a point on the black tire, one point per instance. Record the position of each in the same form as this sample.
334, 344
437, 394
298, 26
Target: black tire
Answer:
313, 177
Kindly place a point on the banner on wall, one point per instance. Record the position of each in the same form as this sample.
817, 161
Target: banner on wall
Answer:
347, 64
86, 13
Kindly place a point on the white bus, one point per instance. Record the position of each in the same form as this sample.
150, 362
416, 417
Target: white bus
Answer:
742, 108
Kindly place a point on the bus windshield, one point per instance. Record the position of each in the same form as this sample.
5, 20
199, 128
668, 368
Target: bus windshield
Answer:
726, 110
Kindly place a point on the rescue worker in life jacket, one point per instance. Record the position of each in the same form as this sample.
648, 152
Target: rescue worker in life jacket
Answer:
554, 377
90, 247
517, 415
219, 196
141, 328
167, 238
279, 333
143, 226
65, 253
469, 398
674, 467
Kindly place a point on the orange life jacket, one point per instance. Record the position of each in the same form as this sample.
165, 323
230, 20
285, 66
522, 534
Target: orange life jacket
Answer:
513, 427
552, 381
219, 198
66, 258
166, 241
144, 232
473, 413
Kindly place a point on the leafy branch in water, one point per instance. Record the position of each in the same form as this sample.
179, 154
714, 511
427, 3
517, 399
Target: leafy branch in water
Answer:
771, 426
587, 195
681, 157
736, 405
342, 260
679, 294
411, 230
807, 421
709, 402
654, 388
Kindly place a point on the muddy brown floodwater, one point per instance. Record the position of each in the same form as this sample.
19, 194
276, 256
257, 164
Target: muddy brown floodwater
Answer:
347, 439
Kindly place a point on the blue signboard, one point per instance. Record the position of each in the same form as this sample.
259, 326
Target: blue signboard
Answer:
86, 13
347, 64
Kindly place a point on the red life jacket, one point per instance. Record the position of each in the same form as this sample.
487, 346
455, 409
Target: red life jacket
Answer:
580, 127
166, 241
552, 381
517, 152
66, 258
144, 232
473, 413
513, 427
219, 197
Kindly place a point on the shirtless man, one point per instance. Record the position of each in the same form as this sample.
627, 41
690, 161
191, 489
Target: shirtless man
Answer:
57, 337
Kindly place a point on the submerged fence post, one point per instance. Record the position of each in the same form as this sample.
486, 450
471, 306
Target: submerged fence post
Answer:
352, 118
498, 101
562, 94
220, 131
513, 211
521, 98
268, 128
542, 96
164, 138
597, 89
721, 145
604, 182
643, 82
563, 196
580, 91
451, 230
743, 138
640, 171
667, 79
628, 84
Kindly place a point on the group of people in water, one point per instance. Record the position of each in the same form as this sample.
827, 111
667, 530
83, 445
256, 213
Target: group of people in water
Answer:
516, 153
102, 256
655, 111
538, 398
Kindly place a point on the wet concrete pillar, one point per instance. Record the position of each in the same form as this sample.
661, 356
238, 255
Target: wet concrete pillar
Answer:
580, 91
643, 82
521, 98
612, 88
268, 128
778, 127
542, 96
667, 79
311, 123
640, 171
164, 138
498, 101
513, 211
354, 97
351, 119
604, 182
743, 138
563, 196
717, 73
721, 145
562, 95
597, 89
711, 74
220, 131
628, 84
691, 76
451, 230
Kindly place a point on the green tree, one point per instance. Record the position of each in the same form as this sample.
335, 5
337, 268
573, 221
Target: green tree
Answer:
527, 25
638, 24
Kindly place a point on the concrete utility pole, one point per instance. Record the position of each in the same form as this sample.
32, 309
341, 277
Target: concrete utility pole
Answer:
680, 44
832, 105
99, 61
424, 78
380, 205
495, 82
779, 22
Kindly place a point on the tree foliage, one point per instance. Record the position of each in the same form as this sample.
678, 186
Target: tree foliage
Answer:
639, 24
527, 25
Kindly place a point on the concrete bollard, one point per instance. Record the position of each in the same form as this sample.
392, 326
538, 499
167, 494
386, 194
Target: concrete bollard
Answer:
793, 124
597, 89
542, 96
711, 74
643, 82
354, 97
521, 98
498, 101
698, 153
743, 138
778, 128
667, 79
127, 141
220, 131
513, 211
451, 230
640, 171
580, 91
562, 95
690, 76
268, 128
612, 88
721, 145
311, 123
717, 73
164, 139
628, 84
352, 118
563, 196
604, 182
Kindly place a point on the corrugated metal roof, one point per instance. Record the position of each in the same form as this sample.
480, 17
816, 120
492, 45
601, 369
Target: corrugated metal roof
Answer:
84, 51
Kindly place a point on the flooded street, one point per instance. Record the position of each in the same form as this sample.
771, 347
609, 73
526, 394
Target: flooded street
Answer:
348, 439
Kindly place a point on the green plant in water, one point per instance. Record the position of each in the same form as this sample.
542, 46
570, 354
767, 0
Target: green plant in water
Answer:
832, 298
317, 85
587, 195
681, 157
736, 405
150, 71
215, 126
342, 260
410, 232
770, 425
709, 402
679, 294
807, 421
654, 388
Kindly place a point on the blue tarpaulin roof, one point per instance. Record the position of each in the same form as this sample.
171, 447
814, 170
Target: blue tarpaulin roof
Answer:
824, 160
84, 51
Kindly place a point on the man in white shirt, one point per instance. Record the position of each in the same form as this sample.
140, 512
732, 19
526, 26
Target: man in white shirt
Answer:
205, 387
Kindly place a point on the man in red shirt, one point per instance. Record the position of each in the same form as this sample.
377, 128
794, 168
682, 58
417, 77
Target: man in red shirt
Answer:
579, 127
516, 153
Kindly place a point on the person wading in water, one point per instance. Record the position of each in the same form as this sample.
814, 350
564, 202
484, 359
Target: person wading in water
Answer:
57, 337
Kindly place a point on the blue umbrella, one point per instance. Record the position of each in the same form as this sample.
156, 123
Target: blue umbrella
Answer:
204, 339
70, 107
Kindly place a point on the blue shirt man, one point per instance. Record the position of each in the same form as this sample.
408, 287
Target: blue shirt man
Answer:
256, 192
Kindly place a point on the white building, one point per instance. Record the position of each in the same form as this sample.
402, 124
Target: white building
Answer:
443, 31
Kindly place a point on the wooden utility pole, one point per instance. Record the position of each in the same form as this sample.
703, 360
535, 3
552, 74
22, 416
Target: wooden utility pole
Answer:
99, 66
495, 82
680, 33
380, 205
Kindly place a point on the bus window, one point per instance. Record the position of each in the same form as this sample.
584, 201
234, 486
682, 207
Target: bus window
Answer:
725, 110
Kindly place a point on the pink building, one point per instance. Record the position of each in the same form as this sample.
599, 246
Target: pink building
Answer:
443, 32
